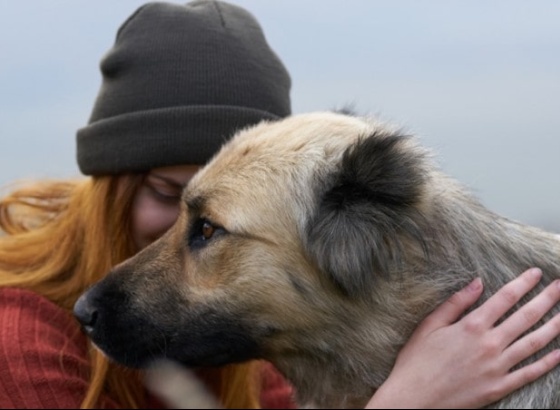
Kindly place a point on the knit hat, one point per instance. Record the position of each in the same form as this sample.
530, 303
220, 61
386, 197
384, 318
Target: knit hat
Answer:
179, 81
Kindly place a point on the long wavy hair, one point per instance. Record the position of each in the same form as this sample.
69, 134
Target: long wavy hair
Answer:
52, 236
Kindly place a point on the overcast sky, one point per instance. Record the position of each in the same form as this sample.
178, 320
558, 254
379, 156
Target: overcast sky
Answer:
478, 81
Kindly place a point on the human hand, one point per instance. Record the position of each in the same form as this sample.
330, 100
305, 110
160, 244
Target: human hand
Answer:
466, 363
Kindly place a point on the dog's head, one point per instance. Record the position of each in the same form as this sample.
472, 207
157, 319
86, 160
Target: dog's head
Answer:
280, 240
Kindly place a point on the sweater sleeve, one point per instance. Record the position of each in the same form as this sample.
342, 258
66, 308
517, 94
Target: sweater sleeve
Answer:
276, 392
43, 354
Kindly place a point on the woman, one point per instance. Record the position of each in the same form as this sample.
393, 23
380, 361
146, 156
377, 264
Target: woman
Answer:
179, 80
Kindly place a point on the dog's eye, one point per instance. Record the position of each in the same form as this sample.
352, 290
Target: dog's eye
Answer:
202, 231
207, 230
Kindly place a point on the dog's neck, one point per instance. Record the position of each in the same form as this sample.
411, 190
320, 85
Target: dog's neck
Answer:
324, 385
331, 375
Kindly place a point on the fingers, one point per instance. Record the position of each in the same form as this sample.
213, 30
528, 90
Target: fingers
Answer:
532, 343
450, 310
528, 315
530, 373
503, 300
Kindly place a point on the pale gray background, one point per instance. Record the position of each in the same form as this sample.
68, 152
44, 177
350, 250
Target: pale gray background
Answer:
479, 81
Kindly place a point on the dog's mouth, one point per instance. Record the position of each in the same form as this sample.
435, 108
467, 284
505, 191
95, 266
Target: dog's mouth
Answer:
201, 347
194, 337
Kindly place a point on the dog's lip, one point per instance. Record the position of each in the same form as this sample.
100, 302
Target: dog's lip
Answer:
88, 330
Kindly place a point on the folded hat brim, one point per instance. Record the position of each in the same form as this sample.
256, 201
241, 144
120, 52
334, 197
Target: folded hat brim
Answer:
144, 140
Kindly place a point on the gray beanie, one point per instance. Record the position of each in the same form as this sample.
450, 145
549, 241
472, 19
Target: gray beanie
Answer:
179, 81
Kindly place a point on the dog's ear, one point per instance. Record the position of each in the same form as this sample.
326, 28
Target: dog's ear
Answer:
368, 208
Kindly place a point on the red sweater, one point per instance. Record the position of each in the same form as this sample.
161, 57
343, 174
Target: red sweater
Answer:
44, 363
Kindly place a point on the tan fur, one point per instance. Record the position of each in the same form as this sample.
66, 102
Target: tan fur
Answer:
280, 267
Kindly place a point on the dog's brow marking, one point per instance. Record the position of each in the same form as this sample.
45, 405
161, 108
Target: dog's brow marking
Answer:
247, 235
196, 204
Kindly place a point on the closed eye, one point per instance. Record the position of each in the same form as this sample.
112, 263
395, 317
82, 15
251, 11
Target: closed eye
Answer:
163, 189
202, 232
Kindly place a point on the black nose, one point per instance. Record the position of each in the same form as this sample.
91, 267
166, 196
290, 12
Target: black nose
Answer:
85, 313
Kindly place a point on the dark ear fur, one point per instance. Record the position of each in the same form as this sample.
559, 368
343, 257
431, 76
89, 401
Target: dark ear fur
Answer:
356, 232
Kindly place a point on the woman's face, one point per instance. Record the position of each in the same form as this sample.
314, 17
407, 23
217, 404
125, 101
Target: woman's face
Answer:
156, 205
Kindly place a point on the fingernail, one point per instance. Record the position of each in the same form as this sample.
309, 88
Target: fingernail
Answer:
475, 285
536, 272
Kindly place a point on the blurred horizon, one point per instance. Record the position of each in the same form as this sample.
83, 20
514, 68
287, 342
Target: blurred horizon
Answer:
477, 81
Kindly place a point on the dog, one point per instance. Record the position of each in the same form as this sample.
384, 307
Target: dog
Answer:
318, 243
